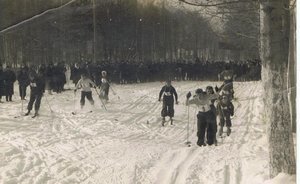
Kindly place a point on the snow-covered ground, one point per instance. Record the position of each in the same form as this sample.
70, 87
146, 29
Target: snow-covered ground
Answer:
127, 144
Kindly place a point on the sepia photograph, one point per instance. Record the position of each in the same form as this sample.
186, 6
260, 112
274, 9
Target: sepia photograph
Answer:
148, 92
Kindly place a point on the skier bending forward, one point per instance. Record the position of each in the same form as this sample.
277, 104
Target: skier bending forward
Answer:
168, 92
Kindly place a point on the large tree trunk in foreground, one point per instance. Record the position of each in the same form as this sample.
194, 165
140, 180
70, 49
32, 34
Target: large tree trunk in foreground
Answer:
292, 68
274, 56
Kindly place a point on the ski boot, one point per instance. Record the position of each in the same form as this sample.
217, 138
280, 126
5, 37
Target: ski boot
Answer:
201, 143
35, 114
228, 131
171, 121
221, 131
27, 113
163, 121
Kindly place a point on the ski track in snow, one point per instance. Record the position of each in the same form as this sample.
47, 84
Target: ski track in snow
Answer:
127, 144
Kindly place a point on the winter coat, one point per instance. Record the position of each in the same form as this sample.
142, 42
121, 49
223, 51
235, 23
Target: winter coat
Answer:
9, 79
2, 87
37, 86
23, 78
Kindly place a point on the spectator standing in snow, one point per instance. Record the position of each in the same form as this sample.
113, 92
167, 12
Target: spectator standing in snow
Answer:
168, 92
9, 80
2, 89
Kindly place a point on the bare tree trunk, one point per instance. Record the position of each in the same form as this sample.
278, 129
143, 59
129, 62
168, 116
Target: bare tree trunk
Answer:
292, 69
274, 56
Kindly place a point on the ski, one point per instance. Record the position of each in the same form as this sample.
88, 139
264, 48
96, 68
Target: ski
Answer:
34, 116
74, 113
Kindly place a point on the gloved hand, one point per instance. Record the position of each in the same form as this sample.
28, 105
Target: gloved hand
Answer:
177, 102
188, 95
216, 88
159, 100
231, 112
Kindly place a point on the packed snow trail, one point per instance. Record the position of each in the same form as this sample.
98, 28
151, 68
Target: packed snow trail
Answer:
127, 144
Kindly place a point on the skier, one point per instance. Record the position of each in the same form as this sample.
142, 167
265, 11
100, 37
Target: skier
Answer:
168, 92
225, 109
205, 114
104, 87
37, 88
23, 80
212, 125
85, 84
9, 80
228, 76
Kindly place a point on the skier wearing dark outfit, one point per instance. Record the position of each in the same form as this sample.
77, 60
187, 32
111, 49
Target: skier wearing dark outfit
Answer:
228, 76
37, 88
205, 114
2, 90
225, 109
23, 80
85, 85
9, 80
104, 87
212, 125
168, 92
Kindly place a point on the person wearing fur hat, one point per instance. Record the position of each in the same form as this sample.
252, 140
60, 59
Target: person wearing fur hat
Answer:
104, 87
168, 92
205, 114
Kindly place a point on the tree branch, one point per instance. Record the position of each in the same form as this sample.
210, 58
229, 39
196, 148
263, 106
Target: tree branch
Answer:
216, 4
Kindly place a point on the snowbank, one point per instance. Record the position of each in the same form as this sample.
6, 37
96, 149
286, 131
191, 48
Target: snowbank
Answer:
282, 178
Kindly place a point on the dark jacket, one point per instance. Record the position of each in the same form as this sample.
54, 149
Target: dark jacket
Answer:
9, 79
168, 92
2, 89
37, 86
23, 78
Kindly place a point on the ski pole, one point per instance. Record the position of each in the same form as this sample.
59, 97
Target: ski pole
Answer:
188, 124
48, 104
74, 112
22, 99
114, 93
100, 99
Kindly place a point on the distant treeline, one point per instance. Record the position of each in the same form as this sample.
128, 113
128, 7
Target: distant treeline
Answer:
117, 31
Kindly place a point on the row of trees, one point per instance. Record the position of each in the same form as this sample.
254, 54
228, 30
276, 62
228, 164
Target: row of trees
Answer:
118, 30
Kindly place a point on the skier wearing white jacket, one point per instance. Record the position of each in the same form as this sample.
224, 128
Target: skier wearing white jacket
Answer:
205, 114
85, 85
